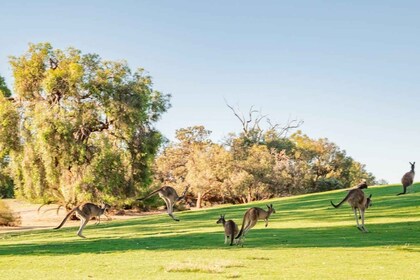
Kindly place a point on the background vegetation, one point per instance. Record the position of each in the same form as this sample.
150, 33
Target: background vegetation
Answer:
306, 239
79, 128
7, 217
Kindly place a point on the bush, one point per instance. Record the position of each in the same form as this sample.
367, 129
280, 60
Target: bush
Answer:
6, 187
7, 217
328, 184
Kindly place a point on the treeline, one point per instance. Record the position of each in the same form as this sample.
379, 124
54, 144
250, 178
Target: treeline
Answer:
247, 168
79, 128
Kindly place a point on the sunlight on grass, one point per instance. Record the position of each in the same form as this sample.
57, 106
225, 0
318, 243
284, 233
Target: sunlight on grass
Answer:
306, 239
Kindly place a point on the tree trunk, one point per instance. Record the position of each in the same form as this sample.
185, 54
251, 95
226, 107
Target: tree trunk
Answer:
249, 196
199, 199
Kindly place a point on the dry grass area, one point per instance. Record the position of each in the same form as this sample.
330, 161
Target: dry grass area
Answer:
29, 218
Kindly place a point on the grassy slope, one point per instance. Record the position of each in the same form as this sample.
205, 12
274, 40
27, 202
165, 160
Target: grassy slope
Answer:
305, 239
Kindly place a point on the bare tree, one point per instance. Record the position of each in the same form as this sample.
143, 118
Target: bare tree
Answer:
252, 129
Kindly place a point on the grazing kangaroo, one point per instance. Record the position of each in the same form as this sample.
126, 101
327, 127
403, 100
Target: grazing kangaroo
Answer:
408, 178
85, 212
231, 228
251, 217
169, 195
358, 201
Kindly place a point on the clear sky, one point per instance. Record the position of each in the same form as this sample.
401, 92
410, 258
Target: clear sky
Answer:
349, 69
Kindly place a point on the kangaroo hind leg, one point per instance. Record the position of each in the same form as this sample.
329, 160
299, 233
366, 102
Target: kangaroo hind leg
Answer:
170, 209
357, 219
83, 223
362, 213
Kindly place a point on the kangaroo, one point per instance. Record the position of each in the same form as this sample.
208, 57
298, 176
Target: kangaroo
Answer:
251, 217
231, 228
408, 178
358, 201
169, 195
85, 212
362, 185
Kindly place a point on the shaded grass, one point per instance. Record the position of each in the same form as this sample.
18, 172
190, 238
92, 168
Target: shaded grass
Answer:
305, 239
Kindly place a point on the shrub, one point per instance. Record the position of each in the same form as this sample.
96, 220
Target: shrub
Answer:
7, 217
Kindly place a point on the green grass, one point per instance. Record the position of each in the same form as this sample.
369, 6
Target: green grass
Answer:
305, 239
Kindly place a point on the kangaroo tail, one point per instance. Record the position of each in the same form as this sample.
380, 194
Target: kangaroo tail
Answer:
242, 228
149, 195
232, 233
67, 216
404, 192
344, 200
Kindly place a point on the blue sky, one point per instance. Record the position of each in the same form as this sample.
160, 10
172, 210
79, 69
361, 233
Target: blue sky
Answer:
349, 69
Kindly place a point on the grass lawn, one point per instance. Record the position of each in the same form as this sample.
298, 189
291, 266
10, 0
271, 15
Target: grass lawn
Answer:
306, 239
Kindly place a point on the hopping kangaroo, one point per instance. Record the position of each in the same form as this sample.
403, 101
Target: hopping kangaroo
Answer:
251, 217
169, 195
358, 201
85, 212
231, 228
408, 178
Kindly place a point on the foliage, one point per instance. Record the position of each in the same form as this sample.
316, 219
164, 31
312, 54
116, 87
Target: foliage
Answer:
86, 126
247, 170
7, 217
4, 90
9, 120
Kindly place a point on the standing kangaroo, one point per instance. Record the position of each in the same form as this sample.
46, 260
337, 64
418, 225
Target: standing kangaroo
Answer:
358, 201
85, 212
251, 217
169, 195
408, 178
231, 228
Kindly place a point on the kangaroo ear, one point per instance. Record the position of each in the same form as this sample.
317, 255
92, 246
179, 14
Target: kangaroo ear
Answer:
271, 205
268, 206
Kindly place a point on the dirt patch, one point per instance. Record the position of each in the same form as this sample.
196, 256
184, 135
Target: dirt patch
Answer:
48, 217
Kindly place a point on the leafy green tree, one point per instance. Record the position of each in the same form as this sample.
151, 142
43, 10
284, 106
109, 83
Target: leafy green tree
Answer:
9, 120
326, 165
4, 90
87, 126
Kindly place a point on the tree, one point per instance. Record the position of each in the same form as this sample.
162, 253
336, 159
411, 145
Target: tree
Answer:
87, 126
253, 132
184, 163
9, 119
4, 90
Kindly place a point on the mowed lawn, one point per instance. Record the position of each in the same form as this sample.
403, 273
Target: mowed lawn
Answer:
306, 239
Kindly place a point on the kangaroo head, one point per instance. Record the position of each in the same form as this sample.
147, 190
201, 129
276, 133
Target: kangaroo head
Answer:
412, 165
369, 201
105, 206
271, 209
221, 219
363, 184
